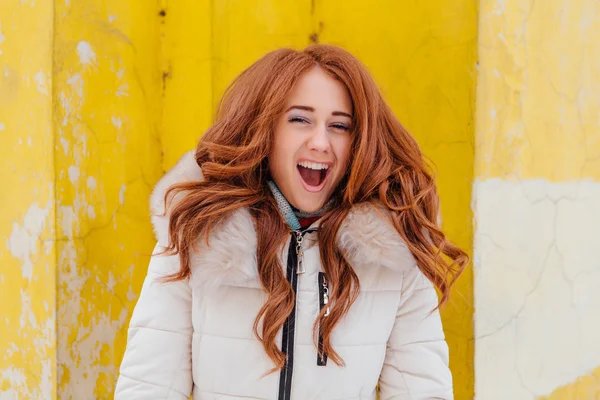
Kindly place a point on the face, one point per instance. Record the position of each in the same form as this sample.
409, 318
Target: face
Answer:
312, 141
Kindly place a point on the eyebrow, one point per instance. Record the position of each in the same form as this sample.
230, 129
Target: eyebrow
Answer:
311, 109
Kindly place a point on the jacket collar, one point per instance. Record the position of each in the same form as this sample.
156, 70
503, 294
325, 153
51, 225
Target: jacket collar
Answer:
366, 237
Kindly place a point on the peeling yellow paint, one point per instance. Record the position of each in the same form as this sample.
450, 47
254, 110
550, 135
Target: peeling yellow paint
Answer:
584, 388
537, 200
537, 110
107, 91
27, 211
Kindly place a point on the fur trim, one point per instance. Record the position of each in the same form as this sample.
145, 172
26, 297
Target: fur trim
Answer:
186, 170
230, 254
367, 237
369, 240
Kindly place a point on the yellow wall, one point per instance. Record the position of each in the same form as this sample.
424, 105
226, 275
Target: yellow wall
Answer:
130, 86
537, 200
540, 79
584, 387
27, 208
107, 101
187, 76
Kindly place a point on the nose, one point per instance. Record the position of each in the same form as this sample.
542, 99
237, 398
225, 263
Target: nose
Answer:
319, 140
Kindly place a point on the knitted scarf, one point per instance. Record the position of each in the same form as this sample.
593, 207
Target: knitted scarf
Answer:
293, 216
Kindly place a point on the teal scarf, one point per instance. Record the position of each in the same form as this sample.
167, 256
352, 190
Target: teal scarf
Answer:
291, 214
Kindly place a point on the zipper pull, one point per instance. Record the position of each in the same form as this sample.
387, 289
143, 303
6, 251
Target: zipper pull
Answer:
323, 305
299, 255
326, 297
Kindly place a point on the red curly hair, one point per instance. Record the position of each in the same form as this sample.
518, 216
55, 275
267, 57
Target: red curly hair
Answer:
387, 167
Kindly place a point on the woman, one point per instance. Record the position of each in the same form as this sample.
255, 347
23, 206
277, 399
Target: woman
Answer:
300, 249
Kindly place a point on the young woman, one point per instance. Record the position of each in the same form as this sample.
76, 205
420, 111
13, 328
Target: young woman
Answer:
299, 249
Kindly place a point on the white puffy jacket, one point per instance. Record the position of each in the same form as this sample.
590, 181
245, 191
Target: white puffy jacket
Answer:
195, 337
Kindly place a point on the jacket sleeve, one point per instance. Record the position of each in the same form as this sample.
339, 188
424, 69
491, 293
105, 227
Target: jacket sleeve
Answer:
416, 361
157, 362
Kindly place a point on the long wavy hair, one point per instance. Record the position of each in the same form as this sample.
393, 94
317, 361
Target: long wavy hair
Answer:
387, 167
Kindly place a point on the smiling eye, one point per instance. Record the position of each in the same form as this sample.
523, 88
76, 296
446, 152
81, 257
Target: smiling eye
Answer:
298, 119
341, 126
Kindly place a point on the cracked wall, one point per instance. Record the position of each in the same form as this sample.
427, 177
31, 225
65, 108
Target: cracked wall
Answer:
27, 211
536, 200
107, 93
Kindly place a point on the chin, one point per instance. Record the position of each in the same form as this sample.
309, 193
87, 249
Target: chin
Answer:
309, 206
309, 209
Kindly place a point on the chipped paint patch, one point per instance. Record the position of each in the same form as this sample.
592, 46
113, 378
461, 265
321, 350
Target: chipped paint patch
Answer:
86, 53
17, 383
24, 239
117, 122
67, 220
65, 144
122, 194
76, 81
73, 174
123, 90
1, 38
40, 80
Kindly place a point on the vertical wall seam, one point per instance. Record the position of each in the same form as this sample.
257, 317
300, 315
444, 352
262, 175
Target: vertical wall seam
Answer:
54, 196
212, 60
163, 63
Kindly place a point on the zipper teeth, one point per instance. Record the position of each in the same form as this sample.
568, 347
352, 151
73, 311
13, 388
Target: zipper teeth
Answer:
299, 255
323, 303
289, 327
285, 378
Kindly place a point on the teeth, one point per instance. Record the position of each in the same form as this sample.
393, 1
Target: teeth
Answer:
311, 165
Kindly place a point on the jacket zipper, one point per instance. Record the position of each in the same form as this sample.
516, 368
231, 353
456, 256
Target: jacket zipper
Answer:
295, 266
323, 302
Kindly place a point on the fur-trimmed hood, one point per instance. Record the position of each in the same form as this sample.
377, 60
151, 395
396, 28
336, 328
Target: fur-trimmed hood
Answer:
366, 237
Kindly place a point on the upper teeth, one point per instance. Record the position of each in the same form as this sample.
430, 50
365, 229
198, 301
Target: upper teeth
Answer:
312, 165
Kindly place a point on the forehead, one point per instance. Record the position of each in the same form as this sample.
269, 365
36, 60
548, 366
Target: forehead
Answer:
321, 91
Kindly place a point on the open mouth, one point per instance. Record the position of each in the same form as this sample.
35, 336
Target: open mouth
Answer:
313, 175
